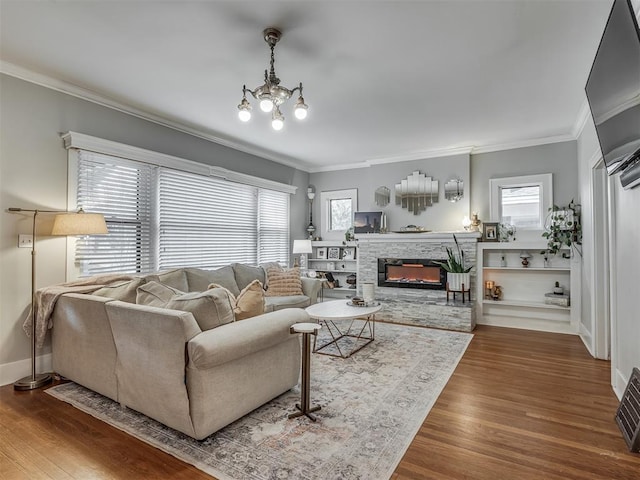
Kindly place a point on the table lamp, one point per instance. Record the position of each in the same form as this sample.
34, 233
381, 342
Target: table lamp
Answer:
302, 247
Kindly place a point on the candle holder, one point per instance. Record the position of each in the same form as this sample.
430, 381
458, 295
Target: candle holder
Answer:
488, 289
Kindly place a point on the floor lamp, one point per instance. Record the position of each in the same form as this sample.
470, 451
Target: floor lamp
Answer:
65, 223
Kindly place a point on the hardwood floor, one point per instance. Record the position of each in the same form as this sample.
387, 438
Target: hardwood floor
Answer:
521, 405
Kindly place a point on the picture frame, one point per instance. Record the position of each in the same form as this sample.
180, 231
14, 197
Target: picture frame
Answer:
490, 231
367, 222
349, 253
321, 253
333, 253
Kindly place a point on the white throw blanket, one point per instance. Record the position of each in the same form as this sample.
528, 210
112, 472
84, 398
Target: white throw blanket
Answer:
46, 298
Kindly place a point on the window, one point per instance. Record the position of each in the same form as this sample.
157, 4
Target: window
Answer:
122, 191
161, 218
521, 201
337, 209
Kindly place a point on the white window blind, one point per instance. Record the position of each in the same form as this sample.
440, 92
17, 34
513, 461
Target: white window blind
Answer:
122, 191
161, 218
205, 222
273, 227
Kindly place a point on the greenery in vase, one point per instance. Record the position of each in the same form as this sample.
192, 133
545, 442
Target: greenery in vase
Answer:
455, 262
563, 228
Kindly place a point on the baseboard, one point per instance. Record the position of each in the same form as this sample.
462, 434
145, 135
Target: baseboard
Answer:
619, 384
529, 324
586, 338
10, 372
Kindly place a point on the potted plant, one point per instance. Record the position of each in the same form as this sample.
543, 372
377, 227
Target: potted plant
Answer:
457, 271
563, 229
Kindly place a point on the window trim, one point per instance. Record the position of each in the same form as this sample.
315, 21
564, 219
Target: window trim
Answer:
74, 140
325, 199
544, 181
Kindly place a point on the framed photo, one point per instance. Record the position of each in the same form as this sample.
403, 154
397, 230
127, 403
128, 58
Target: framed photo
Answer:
490, 232
334, 253
348, 253
321, 253
367, 222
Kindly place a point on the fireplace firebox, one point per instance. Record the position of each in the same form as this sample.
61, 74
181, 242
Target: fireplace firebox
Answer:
411, 273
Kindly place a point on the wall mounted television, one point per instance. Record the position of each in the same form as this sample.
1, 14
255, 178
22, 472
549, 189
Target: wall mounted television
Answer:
613, 89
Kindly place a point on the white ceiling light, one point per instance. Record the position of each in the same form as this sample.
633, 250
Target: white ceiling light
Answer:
271, 95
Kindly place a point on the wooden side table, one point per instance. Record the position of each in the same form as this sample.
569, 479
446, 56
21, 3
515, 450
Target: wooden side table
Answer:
306, 329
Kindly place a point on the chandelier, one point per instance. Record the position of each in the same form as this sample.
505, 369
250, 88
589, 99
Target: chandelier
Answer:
271, 95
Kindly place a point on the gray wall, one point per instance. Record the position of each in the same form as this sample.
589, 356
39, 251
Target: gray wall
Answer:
442, 216
560, 159
33, 174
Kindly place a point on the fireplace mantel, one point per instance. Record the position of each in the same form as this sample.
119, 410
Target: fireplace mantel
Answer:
418, 237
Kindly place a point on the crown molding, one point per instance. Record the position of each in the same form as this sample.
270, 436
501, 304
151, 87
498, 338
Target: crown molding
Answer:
523, 143
422, 155
85, 94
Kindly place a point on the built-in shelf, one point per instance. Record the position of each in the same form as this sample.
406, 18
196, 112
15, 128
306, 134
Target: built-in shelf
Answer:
346, 266
529, 269
524, 288
518, 303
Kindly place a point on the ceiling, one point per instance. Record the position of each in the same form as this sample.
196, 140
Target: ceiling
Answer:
384, 80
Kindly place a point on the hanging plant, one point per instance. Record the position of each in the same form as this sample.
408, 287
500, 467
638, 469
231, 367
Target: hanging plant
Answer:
563, 229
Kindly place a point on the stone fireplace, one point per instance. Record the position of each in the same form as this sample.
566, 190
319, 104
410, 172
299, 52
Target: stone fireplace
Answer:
425, 301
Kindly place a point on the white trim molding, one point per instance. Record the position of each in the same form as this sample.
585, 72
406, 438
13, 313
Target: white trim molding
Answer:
10, 372
98, 145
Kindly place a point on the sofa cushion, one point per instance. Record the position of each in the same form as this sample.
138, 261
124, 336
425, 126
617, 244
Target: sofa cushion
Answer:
284, 283
249, 303
211, 308
245, 274
124, 291
293, 301
200, 279
176, 278
155, 294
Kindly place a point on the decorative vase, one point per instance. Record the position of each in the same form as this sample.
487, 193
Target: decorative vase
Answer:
368, 292
457, 280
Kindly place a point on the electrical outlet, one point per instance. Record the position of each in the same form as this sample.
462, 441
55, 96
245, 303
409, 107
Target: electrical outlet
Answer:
25, 241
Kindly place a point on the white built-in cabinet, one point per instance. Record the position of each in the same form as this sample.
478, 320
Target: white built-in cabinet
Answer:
339, 267
523, 289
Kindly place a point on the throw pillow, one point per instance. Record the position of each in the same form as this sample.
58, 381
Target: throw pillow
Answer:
211, 308
124, 291
249, 303
284, 283
155, 294
176, 278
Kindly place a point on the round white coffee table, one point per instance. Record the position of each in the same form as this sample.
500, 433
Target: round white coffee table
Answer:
337, 310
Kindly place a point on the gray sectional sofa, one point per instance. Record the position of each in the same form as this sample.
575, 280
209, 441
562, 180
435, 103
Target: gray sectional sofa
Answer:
162, 363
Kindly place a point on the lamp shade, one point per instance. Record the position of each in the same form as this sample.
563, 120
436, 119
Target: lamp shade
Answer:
79, 224
302, 246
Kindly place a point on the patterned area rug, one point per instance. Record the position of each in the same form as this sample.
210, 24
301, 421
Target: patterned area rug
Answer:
373, 404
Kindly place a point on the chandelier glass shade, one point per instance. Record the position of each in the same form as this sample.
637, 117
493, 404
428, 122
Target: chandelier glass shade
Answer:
271, 95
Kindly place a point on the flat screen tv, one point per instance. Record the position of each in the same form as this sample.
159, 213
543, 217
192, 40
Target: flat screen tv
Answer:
613, 89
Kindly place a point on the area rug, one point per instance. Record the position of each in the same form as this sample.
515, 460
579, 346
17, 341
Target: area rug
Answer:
373, 404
